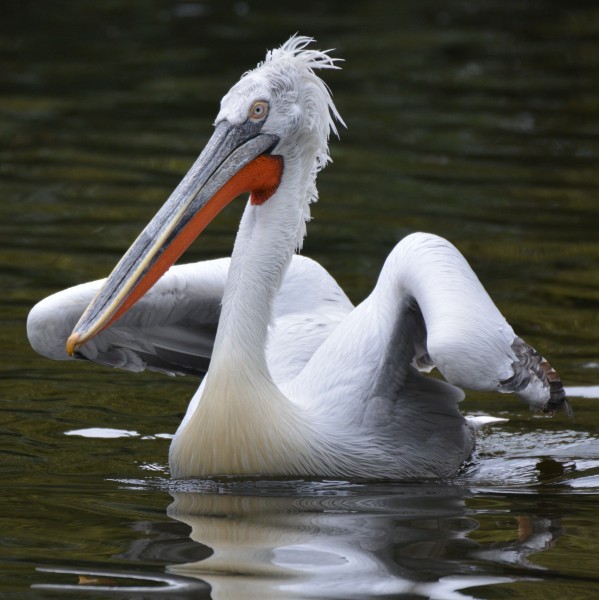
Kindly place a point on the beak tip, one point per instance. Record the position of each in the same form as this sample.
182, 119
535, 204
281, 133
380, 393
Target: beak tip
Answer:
73, 343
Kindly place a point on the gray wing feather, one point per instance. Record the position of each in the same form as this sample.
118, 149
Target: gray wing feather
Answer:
533, 372
399, 376
171, 329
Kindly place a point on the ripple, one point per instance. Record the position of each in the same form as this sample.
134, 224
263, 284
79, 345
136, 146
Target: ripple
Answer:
587, 391
107, 580
102, 433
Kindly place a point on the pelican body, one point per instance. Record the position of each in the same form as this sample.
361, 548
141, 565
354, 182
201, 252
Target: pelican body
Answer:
299, 382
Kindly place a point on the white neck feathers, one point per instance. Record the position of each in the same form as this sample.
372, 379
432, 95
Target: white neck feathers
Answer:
243, 423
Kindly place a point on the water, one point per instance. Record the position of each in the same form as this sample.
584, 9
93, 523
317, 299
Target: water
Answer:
475, 120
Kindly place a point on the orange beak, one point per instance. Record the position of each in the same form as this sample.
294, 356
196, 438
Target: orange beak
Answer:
236, 159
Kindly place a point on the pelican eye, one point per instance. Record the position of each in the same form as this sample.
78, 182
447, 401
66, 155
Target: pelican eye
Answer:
258, 111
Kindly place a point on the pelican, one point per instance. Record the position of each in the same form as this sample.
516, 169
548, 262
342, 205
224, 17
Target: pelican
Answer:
300, 382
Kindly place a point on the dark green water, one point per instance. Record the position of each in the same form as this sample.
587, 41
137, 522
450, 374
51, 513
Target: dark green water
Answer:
478, 121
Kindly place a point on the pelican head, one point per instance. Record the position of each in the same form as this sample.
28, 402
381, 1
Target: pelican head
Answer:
291, 102
278, 115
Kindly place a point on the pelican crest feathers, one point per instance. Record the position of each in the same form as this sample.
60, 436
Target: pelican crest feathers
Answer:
304, 107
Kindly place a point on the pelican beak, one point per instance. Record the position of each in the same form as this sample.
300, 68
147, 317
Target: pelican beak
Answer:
236, 159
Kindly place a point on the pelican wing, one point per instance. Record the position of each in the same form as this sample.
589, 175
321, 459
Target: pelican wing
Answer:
468, 339
427, 310
172, 328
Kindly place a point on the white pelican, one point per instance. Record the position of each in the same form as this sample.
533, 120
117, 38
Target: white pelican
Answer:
300, 382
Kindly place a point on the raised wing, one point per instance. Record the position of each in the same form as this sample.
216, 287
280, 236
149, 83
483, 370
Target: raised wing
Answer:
427, 310
468, 339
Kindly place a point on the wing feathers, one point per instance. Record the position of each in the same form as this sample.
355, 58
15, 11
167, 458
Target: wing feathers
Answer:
467, 338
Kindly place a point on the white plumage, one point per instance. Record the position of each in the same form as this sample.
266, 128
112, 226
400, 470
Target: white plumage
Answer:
300, 382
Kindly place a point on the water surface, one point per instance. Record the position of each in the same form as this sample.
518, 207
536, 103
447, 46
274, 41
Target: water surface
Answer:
475, 121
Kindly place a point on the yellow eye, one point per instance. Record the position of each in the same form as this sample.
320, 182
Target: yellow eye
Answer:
259, 110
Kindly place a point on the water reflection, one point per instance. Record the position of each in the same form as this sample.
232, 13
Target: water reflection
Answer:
500, 523
344, 541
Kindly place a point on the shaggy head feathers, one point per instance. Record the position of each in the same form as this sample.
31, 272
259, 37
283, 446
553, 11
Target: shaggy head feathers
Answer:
302, 113
298, 98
